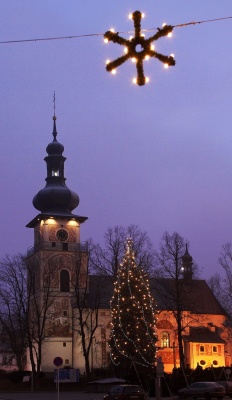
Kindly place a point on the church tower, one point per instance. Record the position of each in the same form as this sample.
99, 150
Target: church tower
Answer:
187, 265
56, 256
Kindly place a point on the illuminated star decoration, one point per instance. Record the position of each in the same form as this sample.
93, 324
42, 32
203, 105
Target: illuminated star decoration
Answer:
138, 48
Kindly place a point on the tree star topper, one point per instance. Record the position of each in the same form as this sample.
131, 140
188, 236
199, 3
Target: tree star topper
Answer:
138, 48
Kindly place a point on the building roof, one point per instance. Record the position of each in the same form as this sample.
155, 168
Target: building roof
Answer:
100, 287
65, 216
197, 297
55, 199
203, 335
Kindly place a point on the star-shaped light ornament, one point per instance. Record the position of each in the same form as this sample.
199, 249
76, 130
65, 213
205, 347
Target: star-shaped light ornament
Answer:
138, 48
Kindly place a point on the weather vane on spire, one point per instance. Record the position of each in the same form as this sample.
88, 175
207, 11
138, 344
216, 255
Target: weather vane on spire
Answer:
54, 105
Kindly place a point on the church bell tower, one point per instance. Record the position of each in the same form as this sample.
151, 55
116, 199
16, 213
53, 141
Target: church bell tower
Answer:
57, 247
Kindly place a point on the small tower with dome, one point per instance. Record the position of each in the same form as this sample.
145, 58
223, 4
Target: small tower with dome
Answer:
187, 264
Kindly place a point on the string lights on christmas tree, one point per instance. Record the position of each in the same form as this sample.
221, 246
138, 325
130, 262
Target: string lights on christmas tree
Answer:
133, 334
138, 48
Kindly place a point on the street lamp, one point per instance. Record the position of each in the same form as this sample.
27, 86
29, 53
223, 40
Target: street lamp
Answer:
91, 338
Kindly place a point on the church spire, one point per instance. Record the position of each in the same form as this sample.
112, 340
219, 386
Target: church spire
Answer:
56, 197
54, 117
54, 127
187, 262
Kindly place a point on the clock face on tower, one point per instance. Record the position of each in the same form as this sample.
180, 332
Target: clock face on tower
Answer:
62, 235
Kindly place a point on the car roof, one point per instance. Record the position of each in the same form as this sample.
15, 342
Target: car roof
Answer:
125, 384
208, 382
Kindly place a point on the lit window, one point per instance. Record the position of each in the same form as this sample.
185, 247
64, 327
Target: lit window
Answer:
165, 340
55, 172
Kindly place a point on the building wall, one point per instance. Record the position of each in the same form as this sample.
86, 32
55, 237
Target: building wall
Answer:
169, 351
48, 262
206, 355
56, 347
7, 362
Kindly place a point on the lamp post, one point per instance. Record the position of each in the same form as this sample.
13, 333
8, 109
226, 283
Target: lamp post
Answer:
174, 354
91, 338
73, 302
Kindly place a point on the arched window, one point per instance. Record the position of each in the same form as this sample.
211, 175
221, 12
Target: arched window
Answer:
64, 281
165, 339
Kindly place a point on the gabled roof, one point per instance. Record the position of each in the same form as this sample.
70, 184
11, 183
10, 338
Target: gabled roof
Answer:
101, 288
203, 335
197, 297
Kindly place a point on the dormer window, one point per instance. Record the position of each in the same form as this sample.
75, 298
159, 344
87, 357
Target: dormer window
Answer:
55, 172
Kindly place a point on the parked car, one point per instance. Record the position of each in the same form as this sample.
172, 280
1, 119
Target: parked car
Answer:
126, 392
207, 390
228, 386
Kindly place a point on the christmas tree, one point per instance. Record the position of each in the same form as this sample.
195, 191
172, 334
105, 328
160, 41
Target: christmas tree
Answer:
133, 334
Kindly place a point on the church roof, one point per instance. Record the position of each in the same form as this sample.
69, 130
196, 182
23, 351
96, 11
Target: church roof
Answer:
65, 216
55, 199
203, 335
197, 298
101, 287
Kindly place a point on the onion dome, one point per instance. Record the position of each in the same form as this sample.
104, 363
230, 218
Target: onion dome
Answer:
186, 258
54, 148
187, 263
55, 197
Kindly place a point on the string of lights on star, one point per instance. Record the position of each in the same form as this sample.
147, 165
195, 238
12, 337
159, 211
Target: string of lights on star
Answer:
136, 47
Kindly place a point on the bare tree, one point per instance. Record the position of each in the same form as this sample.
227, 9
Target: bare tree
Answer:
87, 297
24, 307
221, 285
13, 290
42, 286
170, 262
107, 258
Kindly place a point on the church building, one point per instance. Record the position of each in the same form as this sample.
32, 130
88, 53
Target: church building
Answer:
57, 256
60, 262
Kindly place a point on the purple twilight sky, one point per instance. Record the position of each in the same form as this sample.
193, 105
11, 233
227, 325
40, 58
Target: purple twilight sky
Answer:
158, 156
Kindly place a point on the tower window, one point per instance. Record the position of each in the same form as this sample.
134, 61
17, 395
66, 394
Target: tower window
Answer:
202, 349
165, 339
55, 172
65, 246
64, 281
